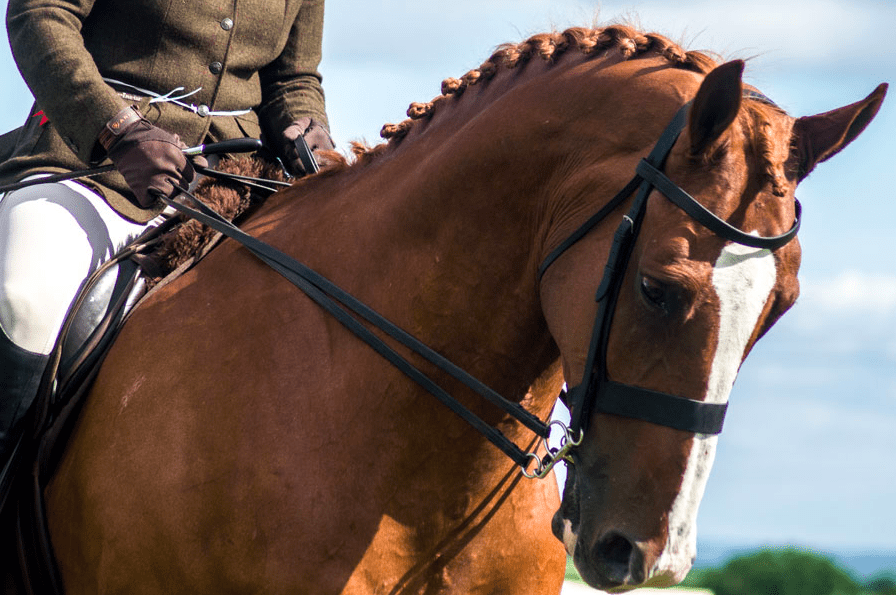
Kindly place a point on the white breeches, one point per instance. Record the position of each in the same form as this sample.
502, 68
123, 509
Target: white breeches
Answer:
52, 237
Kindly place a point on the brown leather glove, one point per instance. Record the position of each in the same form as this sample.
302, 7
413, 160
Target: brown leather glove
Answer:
317, 138
150, 159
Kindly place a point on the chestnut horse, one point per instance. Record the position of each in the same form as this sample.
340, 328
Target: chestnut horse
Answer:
239, 439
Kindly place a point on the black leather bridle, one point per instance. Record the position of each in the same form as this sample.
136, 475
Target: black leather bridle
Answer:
596, 392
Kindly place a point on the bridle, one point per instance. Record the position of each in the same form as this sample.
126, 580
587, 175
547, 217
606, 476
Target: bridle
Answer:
596, 391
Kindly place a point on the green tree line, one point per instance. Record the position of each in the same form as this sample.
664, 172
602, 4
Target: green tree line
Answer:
786, 571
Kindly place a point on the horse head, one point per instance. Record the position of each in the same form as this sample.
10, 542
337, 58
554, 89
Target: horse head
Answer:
689, 305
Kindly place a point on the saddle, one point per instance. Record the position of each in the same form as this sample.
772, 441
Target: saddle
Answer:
154, 259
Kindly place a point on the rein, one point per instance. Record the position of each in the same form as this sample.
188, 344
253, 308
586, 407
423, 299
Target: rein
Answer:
340, 304
596, 391
235, 145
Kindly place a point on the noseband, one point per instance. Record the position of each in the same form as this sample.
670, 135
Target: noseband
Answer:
596, 392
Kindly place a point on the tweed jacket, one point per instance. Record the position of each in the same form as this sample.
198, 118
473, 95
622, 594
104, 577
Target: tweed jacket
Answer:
256, 55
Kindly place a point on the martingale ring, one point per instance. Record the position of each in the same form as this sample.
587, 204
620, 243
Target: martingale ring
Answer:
539, 467
567, 437
553, 455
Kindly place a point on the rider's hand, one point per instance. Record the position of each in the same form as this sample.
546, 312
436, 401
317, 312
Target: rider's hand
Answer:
150, 159
317, 138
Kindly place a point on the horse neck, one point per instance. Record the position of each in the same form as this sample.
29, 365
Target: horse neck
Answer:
440, 242
443, 233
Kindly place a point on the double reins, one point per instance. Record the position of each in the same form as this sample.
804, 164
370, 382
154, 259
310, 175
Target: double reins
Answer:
342, 305
336, 301
595, 392
236, 145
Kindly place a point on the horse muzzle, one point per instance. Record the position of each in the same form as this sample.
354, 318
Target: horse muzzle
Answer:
610, 558
616, 562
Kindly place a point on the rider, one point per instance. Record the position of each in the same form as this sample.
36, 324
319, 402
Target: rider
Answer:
132, 83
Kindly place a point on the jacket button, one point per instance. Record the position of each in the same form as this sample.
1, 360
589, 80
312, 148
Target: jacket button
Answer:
216, 67
203, 110
227, 24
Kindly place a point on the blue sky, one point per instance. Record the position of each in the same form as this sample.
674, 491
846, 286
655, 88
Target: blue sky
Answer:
807, 456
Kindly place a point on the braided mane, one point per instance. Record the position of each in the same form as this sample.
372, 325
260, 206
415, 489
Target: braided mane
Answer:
601, 41
628, 41
550, 46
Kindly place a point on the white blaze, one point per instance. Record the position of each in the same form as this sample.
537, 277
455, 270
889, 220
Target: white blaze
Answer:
743, 278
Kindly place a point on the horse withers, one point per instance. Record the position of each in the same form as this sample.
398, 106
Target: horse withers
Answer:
239, 439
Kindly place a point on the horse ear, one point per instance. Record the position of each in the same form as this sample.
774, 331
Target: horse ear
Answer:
716, 105
820, 137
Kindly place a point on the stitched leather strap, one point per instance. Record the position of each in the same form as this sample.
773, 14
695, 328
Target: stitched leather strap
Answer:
660, 408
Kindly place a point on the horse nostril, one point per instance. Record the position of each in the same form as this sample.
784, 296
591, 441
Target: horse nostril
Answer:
619, 560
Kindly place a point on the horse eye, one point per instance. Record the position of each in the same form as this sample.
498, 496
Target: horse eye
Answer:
654, 293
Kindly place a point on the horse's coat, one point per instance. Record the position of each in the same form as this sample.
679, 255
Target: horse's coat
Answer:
240, 440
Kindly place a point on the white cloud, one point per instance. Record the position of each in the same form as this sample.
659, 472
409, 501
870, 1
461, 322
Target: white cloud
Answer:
851, 293
792, 31
811, 30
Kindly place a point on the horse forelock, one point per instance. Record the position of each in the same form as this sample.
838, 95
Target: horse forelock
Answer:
771, 145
